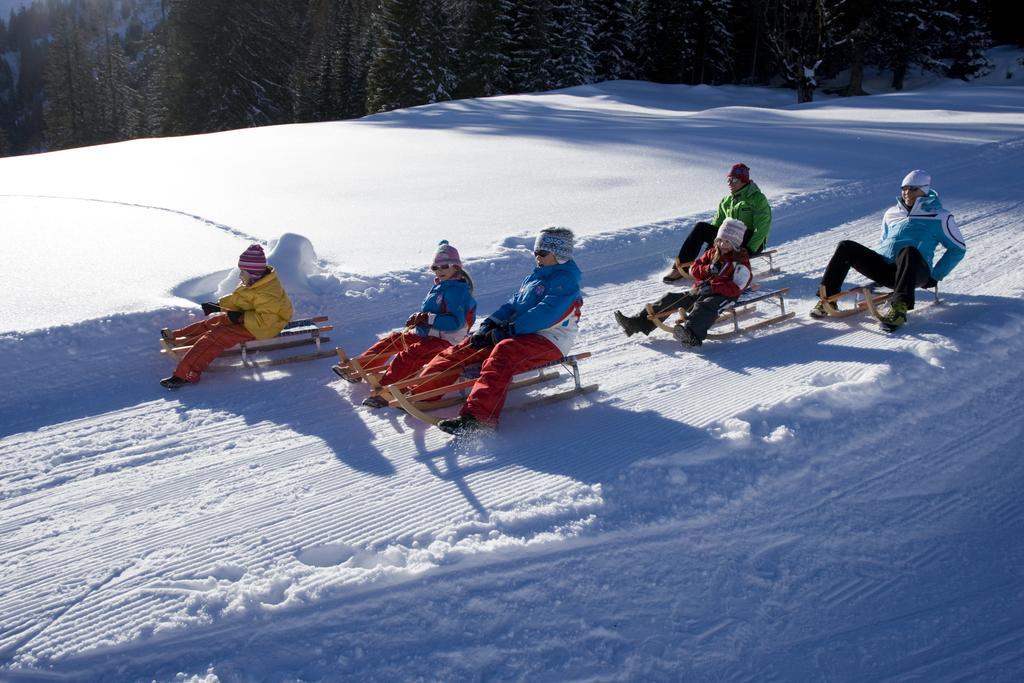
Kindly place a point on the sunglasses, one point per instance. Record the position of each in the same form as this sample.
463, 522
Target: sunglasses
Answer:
911, 188
543, 253
437, 268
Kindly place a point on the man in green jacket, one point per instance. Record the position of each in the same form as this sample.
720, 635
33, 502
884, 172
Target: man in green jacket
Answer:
744, 202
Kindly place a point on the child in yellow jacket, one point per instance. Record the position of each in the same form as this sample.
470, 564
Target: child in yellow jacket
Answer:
257, 309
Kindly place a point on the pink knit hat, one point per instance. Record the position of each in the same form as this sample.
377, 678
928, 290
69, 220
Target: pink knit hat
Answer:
446, 255
253, 260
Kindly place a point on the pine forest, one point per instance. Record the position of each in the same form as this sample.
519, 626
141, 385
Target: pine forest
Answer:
86, 72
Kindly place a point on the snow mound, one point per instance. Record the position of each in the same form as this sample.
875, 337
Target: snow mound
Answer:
297, 266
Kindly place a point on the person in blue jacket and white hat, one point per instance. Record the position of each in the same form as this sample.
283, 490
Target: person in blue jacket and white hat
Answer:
911, 231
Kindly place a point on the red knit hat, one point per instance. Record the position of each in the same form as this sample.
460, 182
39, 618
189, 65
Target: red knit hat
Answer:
253, 260
740, 171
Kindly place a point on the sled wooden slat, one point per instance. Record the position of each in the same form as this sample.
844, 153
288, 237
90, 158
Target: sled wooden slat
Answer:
415, 405
286, 339
742, 308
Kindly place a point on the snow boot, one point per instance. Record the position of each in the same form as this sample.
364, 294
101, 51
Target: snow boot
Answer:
174, 382
463, 425
686, 336
167, 335
673, 276
894, 316
343, 373
819, 312
375, 402
633, 324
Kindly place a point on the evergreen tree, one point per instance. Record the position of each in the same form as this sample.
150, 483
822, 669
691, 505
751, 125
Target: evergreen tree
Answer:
414, 59
528, 53
70, 106
330, 77
153, 82
667, 47
230, 63
802, 35
711, 40
484, 61
615, 34
570, 34
966, 36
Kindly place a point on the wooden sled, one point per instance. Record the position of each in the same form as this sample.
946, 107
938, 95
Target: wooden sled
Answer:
299, 332
769, 254
733, 312
418, 404
353, 370
372, 366
866, 298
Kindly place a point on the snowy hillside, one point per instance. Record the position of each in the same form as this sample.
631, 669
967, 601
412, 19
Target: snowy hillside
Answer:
813, 501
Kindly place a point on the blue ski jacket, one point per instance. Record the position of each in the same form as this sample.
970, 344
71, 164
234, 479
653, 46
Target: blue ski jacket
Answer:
548, 303
924, 226
450, 309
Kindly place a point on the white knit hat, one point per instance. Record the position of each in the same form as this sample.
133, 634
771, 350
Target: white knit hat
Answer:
559, 241
732, 231
919, 179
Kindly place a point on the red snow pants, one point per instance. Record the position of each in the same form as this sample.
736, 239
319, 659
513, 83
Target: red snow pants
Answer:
411, 352
507, 358
216, 334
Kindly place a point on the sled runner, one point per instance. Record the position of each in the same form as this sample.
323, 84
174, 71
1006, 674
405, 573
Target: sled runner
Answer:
296, 333
353, 371
865, 298
682, 268
732, 312
417, 404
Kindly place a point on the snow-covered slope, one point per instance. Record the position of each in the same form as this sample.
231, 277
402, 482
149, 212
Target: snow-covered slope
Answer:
815, 501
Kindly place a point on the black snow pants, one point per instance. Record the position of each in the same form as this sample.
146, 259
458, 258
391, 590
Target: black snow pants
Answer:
909, 272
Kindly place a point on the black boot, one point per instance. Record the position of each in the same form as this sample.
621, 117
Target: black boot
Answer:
174, 382
686, 336
462, 425
633, 324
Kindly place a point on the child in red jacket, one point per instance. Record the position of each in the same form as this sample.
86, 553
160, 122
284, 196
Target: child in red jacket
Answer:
720, 275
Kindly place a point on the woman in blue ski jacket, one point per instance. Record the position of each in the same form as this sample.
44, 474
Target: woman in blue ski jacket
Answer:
911, 231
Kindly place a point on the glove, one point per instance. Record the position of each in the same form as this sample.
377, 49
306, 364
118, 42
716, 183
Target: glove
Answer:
501, 331
479, 340
704, 289
417, 319
209, 307
486, 326
234, 316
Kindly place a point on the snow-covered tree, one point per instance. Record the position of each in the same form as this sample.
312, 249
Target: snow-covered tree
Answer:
802, 34
570, 35
484, 60
230, 63
330, 76
666, 44
708, 30
70, 106
615, 38
528, 68
414, 59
